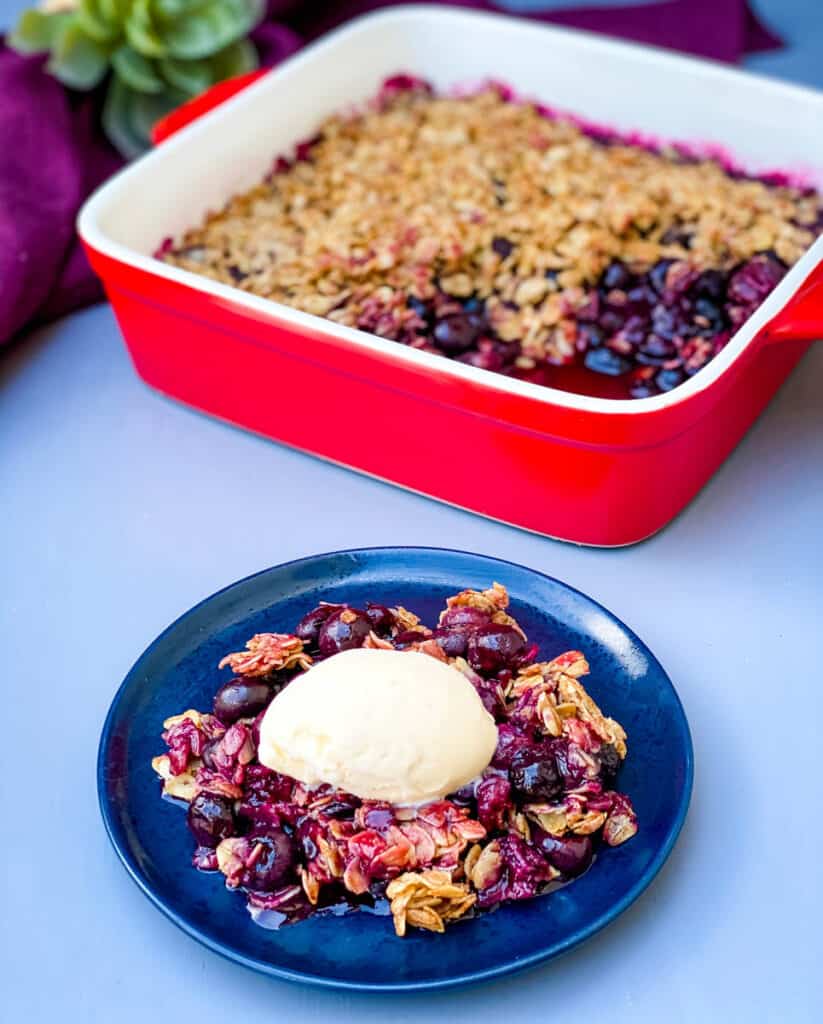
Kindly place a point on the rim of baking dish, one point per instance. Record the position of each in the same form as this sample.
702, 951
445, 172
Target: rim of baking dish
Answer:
95, 237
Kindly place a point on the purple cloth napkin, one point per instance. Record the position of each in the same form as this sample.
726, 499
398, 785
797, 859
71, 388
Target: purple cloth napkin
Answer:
59, 154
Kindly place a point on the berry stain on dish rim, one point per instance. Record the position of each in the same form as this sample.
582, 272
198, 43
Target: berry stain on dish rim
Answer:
531, 821
543, 268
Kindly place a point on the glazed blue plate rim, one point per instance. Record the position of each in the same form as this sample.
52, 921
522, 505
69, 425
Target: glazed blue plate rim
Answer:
506, 967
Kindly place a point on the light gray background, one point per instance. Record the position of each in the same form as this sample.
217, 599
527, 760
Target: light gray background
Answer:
121, 509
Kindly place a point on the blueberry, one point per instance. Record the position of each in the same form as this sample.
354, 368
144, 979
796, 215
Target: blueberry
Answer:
419, 307
634, 330
752, 282
642, 389
709, 309
616, 276
210, 818
502, 246
712, 285
611, 320
668, 379
241, 698
609, 762
664, 321
273, 862
457, 333
641, 296
534, 775
655, 351
463, 617
308, 628
657, 275
380, 617
493, 647
603, 360
589, 336
492, 794
407, 638
677, 235
343, 630
569, 854
488, 360
452, 642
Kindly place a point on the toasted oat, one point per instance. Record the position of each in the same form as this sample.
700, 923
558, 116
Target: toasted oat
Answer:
495, 599
182, 786
619, 828
424, 646
407, 622
561, 699
193, 716
546, 674
551, 819
231, 859
374, 642
483, 868
549, 715
268, 652
311, 886
571, 692
427, 899
588, 823
470, 860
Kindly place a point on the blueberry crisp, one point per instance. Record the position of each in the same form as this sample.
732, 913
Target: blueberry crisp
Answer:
533, 818
494, 232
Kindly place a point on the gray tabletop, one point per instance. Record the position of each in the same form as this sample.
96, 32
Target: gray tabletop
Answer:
121, 509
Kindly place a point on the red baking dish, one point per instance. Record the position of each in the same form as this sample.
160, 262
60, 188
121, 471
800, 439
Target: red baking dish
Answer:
589, 470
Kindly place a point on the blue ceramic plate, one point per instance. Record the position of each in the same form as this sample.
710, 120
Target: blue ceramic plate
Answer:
359, 951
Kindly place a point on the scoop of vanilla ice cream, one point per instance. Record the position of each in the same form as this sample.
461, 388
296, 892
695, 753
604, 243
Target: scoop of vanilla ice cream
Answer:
398, 726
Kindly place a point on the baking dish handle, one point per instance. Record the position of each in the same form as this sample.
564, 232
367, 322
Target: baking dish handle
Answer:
202, 104
802, 317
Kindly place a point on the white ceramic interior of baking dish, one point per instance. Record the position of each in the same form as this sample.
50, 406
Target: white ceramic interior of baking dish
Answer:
765, 125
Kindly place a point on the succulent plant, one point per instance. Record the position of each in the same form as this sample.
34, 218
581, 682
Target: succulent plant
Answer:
152, 55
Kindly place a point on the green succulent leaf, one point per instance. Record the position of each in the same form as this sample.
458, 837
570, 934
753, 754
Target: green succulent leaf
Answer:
161, 53
149, 108
129, 116
169, 10
235, 59
194, 76
141, 31
76, 60
114, 11
137, 71
95, 23
118, 122
211, 28
35, 31
191, 76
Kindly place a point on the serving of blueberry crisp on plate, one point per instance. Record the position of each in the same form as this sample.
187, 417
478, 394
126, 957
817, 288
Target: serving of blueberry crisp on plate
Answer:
368, 761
